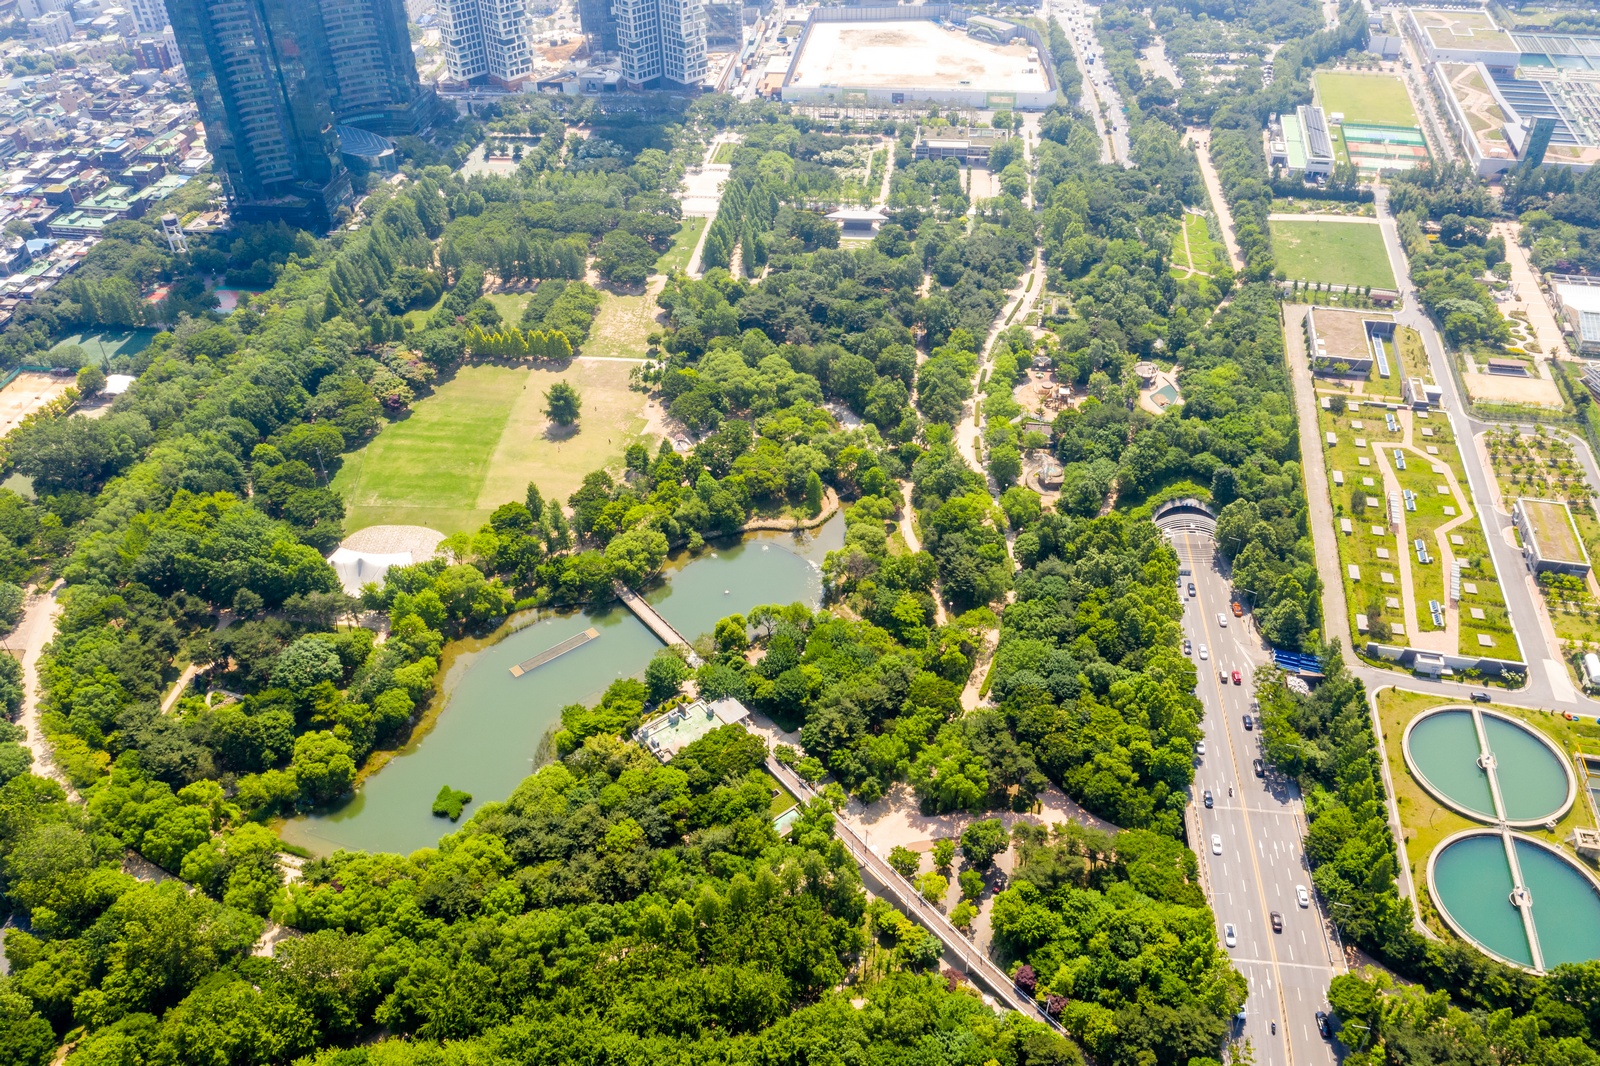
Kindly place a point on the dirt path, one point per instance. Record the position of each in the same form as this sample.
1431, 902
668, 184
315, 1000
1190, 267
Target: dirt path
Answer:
908, 532
38, 628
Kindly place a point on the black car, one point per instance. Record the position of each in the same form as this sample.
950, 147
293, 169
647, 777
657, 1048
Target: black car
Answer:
1249, 724
1277, 922
1187, 647
1260, 768
1480, 697
1209, 802
1324, 1025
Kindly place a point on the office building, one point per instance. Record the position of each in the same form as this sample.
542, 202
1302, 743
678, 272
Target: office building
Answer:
261, 78
375, 84
1578, 301
725, 30
663, 42
487, 41
599, 24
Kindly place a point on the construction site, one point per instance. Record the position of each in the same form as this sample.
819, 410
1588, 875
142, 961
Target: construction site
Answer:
888, 56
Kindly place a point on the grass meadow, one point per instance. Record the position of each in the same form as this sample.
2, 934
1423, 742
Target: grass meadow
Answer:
1332, 253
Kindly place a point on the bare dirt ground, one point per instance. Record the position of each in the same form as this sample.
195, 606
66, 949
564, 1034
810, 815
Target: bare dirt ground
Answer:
1503, 388
36, 629
26, 394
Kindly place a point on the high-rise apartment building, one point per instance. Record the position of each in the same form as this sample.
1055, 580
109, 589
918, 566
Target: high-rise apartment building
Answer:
260, 74
375, 84
273, 80
663, 42
487, 41
149, 16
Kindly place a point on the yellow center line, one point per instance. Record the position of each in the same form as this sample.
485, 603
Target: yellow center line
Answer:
1255, 865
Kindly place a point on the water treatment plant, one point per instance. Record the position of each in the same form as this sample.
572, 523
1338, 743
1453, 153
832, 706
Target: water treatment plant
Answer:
1517, 897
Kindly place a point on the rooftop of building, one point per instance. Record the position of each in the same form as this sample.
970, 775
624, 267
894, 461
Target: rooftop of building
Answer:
1463, 30
670, 733
1342, 332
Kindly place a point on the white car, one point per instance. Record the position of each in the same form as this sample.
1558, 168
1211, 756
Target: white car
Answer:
1222, 620
1302, 896
1200, 748
1216, 849
1230, 936
1204, 653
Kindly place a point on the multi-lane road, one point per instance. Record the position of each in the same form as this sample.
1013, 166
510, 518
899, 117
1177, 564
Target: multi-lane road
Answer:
1260, 822
1077, 19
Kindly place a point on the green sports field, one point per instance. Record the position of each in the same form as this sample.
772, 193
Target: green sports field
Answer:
478, 440
1333, 253
1379, 98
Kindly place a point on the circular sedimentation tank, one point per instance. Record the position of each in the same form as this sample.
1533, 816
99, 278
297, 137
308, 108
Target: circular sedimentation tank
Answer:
1470, 878
1451, 759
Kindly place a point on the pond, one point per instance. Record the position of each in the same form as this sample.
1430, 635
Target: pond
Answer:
488, 735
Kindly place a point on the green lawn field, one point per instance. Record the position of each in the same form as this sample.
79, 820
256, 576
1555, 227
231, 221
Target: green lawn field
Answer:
1334, 253
1379, 98
478, 440
677, 257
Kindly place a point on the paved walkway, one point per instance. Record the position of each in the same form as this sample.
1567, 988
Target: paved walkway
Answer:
1219, 203
970, 960
1531, 298
1335, 608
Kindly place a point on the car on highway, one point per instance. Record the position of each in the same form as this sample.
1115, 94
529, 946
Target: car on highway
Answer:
1249, 724
1222, 620
1191, 588
1238, 609
1186, 646
1200, 748
1277, 922
1216, 843
1480, 697
1204, 653
1302, 896
1230, 936
1238, 679
1324, 1025
1260, 768
1209, 802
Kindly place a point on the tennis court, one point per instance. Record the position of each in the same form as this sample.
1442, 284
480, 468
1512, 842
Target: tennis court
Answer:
1374, 148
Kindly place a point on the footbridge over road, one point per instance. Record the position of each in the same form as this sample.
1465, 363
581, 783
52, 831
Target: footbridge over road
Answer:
969, 958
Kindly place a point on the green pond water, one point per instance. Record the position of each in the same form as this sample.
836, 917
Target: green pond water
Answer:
1473, 883
1533, 782
487, 737
1566, 907
1444, 747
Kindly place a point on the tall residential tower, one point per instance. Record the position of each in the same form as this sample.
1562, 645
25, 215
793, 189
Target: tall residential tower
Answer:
375, 74
663, 42
273, 79
487, 41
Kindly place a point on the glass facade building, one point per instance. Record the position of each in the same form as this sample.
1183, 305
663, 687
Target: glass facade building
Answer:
272, 78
